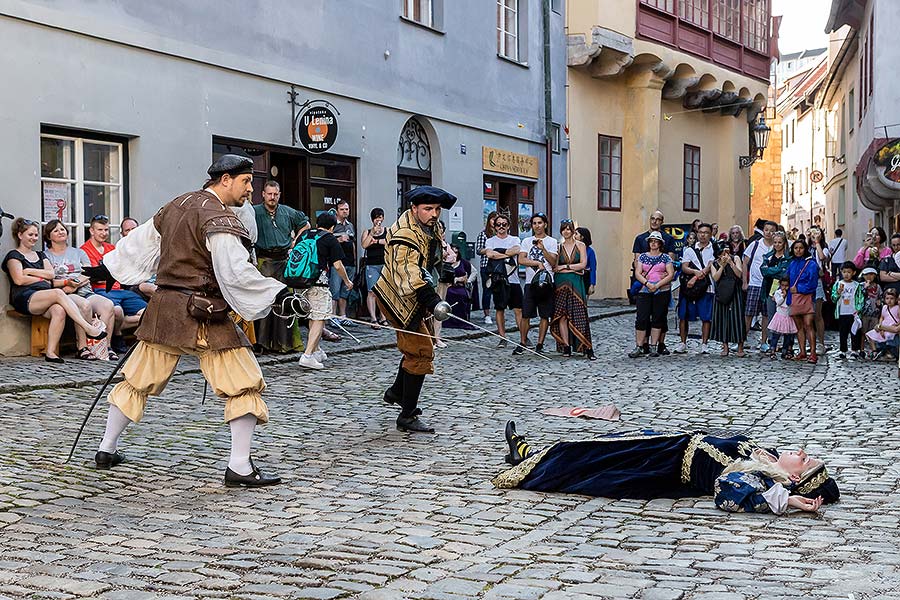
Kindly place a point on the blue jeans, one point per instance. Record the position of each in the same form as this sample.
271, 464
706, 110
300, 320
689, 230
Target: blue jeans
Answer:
485, 292
788, 341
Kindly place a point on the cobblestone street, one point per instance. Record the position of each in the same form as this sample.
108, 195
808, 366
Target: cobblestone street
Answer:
369, 512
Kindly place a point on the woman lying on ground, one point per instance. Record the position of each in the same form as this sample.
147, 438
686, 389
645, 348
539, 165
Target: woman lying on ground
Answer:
741, 475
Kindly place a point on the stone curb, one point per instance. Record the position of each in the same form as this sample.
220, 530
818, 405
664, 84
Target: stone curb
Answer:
275, 360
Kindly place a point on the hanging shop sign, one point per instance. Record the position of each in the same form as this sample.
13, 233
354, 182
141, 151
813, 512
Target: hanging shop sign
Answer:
887, 159
314, 124
510, 163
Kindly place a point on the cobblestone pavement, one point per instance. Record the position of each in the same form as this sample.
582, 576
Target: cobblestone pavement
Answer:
368, 512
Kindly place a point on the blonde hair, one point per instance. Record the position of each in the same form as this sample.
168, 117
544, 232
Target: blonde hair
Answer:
762, 462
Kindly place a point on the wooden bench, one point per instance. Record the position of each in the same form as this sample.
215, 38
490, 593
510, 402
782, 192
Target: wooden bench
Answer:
40, 331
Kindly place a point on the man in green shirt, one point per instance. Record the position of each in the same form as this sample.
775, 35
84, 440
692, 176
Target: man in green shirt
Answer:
278, 226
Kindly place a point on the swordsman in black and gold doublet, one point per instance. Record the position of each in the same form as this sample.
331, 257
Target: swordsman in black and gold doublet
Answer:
649, 464
405, 293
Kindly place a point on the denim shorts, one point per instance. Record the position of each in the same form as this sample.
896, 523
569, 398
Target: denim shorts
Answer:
373, 274
336, 284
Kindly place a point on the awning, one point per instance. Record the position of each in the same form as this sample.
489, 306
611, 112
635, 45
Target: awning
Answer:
878, 174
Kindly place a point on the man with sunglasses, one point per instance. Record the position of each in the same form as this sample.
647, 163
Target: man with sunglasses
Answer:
642, 245
502, 250
538, 253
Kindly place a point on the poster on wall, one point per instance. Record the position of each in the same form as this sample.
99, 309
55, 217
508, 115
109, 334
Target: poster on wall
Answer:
489, 207
456, 218
56, 200
525, 211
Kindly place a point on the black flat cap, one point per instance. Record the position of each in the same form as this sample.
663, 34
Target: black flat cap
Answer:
231, 164
428, 194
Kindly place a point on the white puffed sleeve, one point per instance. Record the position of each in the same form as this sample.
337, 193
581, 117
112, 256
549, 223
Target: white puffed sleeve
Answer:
777, 498
247, 291
136, 257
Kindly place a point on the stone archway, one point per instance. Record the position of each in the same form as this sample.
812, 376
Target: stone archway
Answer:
415, 157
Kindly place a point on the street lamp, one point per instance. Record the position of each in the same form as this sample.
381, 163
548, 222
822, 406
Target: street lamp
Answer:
791, 178
759, 139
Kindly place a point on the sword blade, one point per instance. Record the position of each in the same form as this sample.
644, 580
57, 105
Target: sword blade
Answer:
498, 336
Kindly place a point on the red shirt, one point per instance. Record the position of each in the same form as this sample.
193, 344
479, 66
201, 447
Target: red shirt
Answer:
96, 257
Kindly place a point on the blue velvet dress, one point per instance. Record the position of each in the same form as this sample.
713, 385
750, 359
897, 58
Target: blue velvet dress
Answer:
646, 465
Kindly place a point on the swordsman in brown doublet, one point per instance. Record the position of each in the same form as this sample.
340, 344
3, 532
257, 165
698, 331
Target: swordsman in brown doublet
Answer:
198, 249
405, 292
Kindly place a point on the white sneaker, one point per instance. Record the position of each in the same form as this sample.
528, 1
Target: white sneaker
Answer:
681, 348
310, 362
704, 348
487, 320
320, 355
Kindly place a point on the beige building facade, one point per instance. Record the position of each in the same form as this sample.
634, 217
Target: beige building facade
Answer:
658, 122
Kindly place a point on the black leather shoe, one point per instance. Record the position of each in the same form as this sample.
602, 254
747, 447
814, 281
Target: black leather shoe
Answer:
106, 460
254, 479
413, 424
512, 440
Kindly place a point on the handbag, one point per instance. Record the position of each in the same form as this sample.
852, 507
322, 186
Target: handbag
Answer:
700, 286
206, 309
801, 304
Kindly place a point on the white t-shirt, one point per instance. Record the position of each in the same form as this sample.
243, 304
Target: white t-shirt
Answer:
838, 249
847, 299
534, 253
690, 255
757, 250
506, 243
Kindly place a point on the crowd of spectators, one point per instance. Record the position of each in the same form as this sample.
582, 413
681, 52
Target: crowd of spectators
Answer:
789, 288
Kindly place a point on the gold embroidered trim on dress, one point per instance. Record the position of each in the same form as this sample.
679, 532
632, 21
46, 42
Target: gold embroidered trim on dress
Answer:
688, 459
716, 454
511, 478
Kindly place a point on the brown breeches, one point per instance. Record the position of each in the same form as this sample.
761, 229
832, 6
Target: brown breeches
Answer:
233, 374
417, 350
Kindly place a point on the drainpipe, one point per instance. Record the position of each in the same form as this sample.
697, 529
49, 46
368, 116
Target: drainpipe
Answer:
548, 107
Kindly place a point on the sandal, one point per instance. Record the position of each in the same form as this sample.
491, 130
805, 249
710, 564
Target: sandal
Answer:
85, 354
800, 357
813, 359
384, 322
741, 354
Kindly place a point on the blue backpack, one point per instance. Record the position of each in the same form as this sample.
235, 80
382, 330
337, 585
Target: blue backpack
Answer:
303, 269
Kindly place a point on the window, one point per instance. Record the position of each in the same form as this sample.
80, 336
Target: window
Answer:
694, 11
756, 25
842, 205
853, 193
727, 19
666, 5
691, 178
508, 29
419, 11
842, 142
81, 178
609, 183
850, 107
556, 6
555, 138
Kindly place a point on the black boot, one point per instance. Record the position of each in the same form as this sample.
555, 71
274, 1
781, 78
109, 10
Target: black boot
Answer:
409, 416
394, 394
519, 449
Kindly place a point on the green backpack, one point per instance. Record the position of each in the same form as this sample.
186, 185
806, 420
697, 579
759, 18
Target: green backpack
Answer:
303, 269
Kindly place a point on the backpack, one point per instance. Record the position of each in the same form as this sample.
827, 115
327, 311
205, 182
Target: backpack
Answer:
303, 269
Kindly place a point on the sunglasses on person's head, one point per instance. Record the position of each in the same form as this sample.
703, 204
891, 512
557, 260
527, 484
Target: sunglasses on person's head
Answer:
564, 221
30, 223
100, 219
539, 215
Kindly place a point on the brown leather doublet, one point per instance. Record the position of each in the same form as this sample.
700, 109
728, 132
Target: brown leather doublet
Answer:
185, 267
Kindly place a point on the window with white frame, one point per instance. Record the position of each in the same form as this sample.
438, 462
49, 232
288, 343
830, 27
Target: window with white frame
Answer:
419, 11
81, 178
508, 29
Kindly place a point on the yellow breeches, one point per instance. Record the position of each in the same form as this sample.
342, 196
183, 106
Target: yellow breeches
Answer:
234, 375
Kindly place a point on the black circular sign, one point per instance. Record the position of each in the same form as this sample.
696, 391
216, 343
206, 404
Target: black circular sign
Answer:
317, 129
